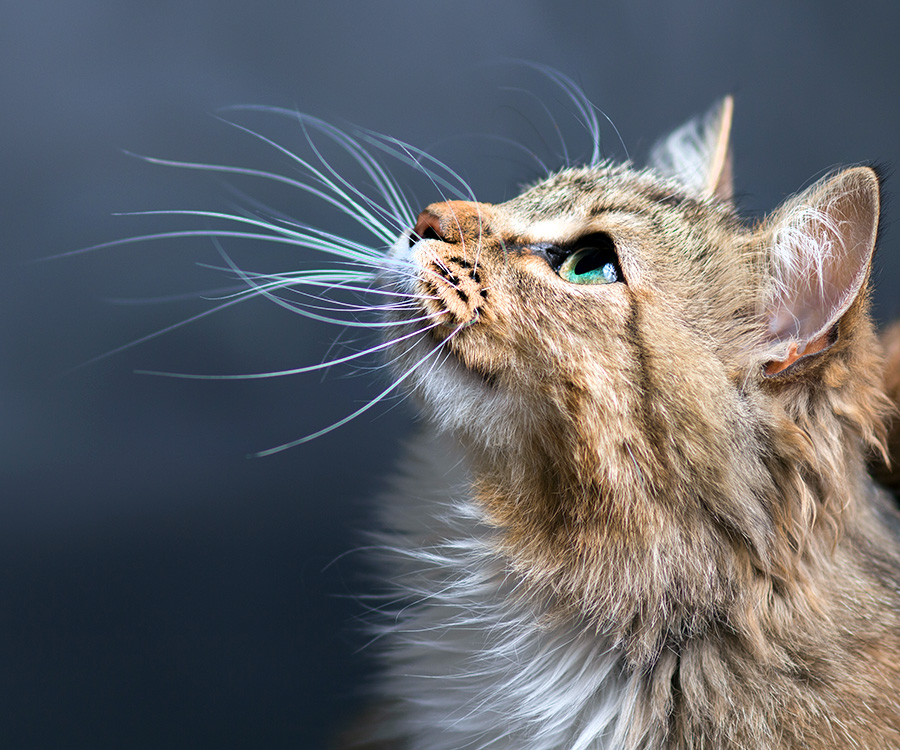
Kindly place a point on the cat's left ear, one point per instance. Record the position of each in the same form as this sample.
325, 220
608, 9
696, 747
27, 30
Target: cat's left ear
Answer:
698, 154
819, 248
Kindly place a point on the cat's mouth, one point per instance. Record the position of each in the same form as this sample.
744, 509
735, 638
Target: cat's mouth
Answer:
453, 295
442, 336
451, 299
452, 291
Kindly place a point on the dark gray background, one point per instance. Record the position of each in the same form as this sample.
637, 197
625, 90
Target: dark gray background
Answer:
158, 588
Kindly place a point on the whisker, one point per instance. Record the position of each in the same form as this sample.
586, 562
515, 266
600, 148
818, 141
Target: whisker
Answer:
292, 371
586, 115
398, 269
262, 290
556, 129
384, 183
543, 168
414, 157
185, 233
327, 279
586, 108
309, 239
341, 422
289, 285
288, 282
348, 208
351, 206
341, 306
392, 216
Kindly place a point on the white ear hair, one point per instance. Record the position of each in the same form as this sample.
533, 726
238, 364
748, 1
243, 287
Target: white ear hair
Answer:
698, 154
820, 255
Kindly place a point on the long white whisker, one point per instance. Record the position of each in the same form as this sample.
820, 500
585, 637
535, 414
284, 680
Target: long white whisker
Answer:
186, 233
352, 207
543, 168
415, 157
587, 115
290, 285
340, 305
348, 208
587, 109
313, 241
556, 129
270, 218
384, 183
380, 397
292, 371
334, 278
390, 215
328, 280
262, 290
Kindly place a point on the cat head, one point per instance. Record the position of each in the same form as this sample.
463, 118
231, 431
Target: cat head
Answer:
633, 368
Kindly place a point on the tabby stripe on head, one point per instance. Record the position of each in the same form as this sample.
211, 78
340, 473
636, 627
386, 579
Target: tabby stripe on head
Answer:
653, 427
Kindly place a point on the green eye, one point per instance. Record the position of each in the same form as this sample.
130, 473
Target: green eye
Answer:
591, 265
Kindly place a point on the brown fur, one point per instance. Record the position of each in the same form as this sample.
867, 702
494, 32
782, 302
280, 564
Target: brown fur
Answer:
672, 477
888, 473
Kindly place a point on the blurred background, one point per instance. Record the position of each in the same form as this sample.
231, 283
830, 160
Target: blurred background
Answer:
157, 587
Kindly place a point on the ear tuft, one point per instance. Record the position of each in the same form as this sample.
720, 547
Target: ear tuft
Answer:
820, 251
698, 154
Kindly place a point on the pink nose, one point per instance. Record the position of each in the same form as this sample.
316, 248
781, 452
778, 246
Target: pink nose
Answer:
453, 222
428, 227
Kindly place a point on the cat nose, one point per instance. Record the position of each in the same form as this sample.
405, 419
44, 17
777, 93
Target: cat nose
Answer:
428, 227
454, 222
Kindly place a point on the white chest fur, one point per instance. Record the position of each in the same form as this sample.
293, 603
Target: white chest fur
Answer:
470, 663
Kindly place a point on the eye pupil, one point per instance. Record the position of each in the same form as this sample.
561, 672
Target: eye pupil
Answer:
591, 262
592, 265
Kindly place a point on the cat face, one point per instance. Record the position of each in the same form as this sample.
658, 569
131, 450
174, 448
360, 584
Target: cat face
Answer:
560, 306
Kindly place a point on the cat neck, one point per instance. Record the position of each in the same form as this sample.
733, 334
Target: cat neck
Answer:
511, 673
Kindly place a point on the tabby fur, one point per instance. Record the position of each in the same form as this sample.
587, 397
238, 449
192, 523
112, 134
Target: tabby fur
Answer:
640, 516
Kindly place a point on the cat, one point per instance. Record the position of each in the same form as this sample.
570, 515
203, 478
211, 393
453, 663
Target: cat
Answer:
640, 514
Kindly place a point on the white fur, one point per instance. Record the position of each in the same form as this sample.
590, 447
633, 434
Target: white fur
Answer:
471, 663
820, 260
802, 248
558, 230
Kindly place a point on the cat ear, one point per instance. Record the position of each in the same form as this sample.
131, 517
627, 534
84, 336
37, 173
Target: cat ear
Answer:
820, 247
698, 154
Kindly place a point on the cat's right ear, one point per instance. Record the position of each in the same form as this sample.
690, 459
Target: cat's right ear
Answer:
819, 248
698, 154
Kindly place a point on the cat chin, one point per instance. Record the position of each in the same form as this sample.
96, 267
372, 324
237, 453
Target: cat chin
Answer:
458, 400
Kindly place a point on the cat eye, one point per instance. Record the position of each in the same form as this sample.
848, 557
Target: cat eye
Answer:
594, 261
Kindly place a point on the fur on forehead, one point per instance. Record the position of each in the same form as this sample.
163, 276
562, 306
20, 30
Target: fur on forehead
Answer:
691, 247
584, 190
